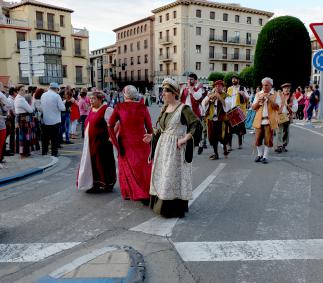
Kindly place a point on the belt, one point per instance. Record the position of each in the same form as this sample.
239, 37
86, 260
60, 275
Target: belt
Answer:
265, 118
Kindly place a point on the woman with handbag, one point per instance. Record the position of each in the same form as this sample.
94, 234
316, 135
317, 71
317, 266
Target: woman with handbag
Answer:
171, 180
134, 122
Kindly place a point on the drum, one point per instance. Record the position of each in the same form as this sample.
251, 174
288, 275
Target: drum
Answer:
236, 116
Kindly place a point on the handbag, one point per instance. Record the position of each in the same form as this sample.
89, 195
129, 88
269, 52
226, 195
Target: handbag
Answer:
283, 118
249, 118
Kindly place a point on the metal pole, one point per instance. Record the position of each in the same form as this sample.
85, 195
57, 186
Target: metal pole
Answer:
321, 96
30, 73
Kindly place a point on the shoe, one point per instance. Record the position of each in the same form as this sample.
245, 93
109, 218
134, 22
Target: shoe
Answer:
226, 152
229, 148
3, 161
279, 149
68, 142
214, 156
200, 150
94, 191
240, 146
59, 146
285, 149
264, 161
258, 159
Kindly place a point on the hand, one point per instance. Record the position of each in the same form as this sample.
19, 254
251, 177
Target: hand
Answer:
181, 142
147, 138
72, 100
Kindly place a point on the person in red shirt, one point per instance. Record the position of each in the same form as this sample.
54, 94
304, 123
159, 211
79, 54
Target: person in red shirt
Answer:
300, 97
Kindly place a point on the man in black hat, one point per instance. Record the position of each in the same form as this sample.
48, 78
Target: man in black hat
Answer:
237, 97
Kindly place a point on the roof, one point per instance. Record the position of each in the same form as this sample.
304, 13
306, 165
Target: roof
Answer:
39, 4
150, 18
211, 4
105, 48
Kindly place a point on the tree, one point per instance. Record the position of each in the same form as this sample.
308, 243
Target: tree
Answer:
283, 52
247, 77
216, 76
228, 78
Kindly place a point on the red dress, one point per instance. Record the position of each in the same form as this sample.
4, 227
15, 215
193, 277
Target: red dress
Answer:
134, 169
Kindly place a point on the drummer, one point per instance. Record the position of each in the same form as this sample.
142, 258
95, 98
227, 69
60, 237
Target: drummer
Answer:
237, 97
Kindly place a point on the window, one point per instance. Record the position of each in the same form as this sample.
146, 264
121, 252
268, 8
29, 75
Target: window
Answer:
236, 68
120, 65
63, 43
131, 47
134, 31
141, 29
174, 49
236, 38
145, 27
260, 21
237, 18
131, 32
131, 75
198, 13
61, 21
160, 51
198, 49
78, 72
248, 20
167, 36
131, 60
139, 75
211, 68
225, 17
39, 20
77, 47
175, 66
174, 31
224, 52
198, 66
167, 17
50, 21
146, 74
224, 67
211, 52
167, 69
138, 45
174, 14
212, 34
225, 35
248, 38
125, 76
160, 67
198, 30
119, 49
146, 59
236, 54
160, 19
138, 59
160, 35
248, 51
125, 48
145, 44
127, 33
64, 69
212, 15
21, 36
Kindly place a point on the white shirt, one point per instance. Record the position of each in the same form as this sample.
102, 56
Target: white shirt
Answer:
22, 106
197, 95
230, 101
294, 106
52, 105
265, 107
11, 102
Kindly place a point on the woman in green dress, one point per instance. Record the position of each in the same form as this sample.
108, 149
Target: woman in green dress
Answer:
171, 180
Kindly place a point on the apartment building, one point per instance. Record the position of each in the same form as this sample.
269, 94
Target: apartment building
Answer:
103, 67
203, 37
66, 55
315, 74
135, 53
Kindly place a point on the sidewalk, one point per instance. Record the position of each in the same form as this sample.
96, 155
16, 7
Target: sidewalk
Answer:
15, 168
112, 264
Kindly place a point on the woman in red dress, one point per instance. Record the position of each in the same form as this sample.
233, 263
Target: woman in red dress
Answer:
97, 172
133, 166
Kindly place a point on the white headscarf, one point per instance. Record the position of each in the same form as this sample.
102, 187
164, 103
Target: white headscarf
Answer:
130, 92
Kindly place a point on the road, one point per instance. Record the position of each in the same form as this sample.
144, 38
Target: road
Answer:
248, 222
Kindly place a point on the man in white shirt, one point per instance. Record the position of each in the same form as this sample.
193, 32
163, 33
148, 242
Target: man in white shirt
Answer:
52, 105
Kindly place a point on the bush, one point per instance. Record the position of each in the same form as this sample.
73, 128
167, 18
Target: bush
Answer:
283, 52
216, 76
228, 78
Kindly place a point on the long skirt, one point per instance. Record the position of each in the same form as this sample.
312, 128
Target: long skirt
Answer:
24, 133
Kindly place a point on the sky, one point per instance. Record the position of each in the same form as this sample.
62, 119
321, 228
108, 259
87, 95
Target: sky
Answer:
100, 17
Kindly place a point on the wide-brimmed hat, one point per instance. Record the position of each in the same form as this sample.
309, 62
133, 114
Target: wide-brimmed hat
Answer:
285, 85
235, 76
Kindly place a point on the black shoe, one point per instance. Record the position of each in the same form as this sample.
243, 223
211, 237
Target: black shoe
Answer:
279, 149
214, 156
200, 150
285, 149
264, 161
94, 191
258, 159
68, 142
59, 146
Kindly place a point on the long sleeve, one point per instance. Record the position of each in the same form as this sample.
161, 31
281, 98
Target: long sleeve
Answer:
114, 118
60, 104
295, 105
188, 118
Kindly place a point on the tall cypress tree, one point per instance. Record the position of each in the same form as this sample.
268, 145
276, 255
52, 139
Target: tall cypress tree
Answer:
283, 52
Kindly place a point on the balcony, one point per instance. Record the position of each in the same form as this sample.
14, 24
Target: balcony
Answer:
165, 58
230, 57
46, 80
53, 51
232, 40
80, 81
165, 41
215, 38
45, 26
79, 53
13, 22
80, 32
23, 80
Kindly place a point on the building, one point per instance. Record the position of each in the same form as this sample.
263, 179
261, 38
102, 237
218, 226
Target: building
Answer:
202, 37
315, 74
66, 56
103, 67
135, 53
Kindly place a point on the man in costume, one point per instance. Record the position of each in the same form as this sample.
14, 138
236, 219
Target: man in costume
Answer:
237, 97
288, 106
266, 104
218, 125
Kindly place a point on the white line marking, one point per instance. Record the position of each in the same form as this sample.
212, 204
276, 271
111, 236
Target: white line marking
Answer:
32, 252
306, 129
80, 261
251, 250
162, 226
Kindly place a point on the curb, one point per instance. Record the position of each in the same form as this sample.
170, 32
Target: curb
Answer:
136, 271
29, 172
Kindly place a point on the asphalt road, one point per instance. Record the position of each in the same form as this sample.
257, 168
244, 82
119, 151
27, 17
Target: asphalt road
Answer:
248, 223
